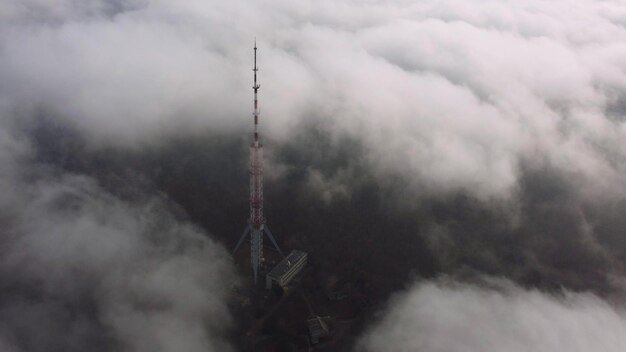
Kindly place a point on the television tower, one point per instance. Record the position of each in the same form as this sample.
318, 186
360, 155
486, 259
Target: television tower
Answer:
256, 223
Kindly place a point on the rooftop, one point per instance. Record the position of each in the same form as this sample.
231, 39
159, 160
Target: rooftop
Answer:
283, 267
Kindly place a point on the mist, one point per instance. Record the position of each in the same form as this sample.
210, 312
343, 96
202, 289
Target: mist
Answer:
404, 141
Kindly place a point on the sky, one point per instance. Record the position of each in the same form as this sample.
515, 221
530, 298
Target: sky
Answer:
498, 125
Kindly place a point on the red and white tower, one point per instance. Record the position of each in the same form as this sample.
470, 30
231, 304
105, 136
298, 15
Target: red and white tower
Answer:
256, 223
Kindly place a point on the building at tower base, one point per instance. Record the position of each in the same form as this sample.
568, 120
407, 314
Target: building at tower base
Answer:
287, 269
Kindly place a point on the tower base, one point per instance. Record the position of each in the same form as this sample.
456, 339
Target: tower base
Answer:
256, 246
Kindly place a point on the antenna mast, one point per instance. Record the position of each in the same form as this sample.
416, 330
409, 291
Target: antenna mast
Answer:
256, 87
256, 223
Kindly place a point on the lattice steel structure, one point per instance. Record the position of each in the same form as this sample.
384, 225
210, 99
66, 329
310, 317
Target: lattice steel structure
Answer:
256, 223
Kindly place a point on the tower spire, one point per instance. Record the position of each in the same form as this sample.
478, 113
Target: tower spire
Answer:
256, 87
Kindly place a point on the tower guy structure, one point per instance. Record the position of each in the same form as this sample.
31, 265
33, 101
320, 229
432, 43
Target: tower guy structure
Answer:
256, 223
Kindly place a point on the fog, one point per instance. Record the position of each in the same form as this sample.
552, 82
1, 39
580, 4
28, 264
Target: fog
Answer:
454, 137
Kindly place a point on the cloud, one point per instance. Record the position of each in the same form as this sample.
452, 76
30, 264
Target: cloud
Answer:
480, 134
82, 269
451, 316
518, 107
452, 95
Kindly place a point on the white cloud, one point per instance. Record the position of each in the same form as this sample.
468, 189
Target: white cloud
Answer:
449, 94
448, 316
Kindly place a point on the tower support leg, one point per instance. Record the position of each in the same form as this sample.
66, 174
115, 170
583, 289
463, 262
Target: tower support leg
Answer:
256, 251
242, 238
269, 234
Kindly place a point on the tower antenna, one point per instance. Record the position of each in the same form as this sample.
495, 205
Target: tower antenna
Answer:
256, 223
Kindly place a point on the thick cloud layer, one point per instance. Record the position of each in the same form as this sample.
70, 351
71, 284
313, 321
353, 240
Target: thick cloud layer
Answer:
452, 95
449, 316
456, 136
